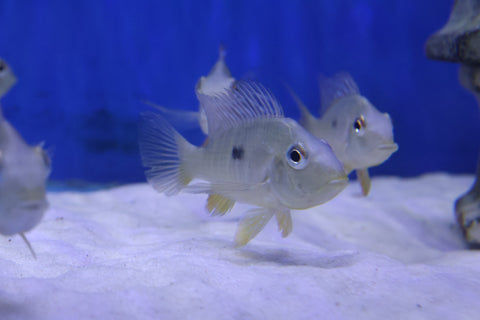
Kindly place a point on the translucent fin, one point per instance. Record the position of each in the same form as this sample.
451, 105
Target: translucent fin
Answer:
7, 77
180, 119
365, 182
162, 149
28, 245
334, 88
307, 120
284, 221
218, 205
246, 101
251, 225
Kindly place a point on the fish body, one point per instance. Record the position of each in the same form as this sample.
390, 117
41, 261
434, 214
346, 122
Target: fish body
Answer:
253, 155
23, 173
360, 135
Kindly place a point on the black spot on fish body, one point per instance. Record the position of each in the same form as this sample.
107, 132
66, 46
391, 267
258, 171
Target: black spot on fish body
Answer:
237, 152
334, 123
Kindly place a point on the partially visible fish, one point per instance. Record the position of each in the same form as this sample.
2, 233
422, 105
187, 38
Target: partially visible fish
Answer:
216, 82
253, 155
360, 135
23, 173
7, 77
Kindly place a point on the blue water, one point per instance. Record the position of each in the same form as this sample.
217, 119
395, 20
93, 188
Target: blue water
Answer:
85, 66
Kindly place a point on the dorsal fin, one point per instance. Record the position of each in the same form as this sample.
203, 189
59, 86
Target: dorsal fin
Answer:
332, 89
245, 101
306, 118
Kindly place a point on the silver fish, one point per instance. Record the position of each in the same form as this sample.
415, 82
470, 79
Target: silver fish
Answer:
360, 135
217, 81
23, 173
252, 155
7, 77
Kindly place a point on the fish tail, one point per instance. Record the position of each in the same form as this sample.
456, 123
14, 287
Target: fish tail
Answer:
162, 150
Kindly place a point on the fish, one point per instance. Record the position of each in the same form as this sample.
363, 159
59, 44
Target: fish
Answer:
218, 79
253, 155
360, 135
7, 77
23, 173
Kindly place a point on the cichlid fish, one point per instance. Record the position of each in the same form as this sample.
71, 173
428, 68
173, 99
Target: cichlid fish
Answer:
217, 81
23, 173
360, 135
252, 155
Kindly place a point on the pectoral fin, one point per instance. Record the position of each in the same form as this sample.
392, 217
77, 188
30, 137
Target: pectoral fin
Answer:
28, 245
284, 221
251, 225
218, 205
365, 182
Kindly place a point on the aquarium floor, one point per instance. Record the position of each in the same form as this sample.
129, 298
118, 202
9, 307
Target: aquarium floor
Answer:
130, 253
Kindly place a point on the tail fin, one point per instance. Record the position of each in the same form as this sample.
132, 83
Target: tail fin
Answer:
162, 150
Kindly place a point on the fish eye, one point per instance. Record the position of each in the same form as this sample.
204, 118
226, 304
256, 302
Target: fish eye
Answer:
297, 157
359, 124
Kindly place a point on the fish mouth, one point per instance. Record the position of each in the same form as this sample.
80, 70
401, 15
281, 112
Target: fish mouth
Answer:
388, 147
340, 182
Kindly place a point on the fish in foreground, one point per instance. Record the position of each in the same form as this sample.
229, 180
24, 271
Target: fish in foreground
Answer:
252, 155
217, 81
360, 135
23, 173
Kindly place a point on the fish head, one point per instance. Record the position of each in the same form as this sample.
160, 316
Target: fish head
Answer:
370, 136
307, 173
23, 174
7, 77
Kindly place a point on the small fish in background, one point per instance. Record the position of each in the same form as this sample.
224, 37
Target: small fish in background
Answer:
360, 135
253, 155
23, 174
217, 81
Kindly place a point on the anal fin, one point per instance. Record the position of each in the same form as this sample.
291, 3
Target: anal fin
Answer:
365, 182
218, 205
252, 224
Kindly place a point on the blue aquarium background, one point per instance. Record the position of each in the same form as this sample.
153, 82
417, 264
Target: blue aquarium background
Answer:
84, 68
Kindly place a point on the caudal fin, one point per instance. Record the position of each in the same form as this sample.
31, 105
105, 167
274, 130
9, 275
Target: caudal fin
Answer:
162, 150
